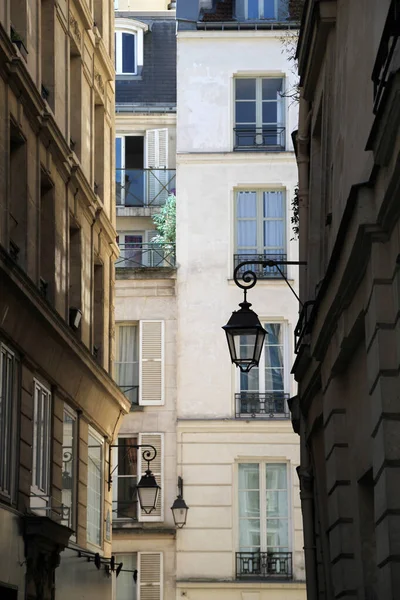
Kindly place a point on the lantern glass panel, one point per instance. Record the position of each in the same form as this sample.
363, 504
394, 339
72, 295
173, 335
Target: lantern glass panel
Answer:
148, 497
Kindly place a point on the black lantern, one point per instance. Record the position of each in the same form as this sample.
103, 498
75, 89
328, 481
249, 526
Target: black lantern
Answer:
179, 507
245, 336
148, 491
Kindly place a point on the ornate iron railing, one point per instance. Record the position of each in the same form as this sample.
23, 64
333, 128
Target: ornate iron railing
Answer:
270, 138
264, 565
255, 405
140, 255
144, 187
388, 56
259, 270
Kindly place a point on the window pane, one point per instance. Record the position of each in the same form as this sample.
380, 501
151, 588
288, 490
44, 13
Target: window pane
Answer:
253, 9
273, 234
276, 476
271, 89
245, 89
94, 490
127, 457
269, 9
274, 331
249, 478
247, 234
127, 502
249, 504
249, 535
273, 204
269, 112
246, 112
125, 584
249, 382
274, 381
246, 204
128, 53
277, 504
277, 535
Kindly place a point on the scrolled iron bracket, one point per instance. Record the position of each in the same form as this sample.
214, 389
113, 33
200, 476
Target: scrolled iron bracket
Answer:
149, 454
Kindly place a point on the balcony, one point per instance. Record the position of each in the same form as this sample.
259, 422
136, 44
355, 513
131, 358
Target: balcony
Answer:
264, 565
255, 405
146, 256
143, 188
270, 138
259, 270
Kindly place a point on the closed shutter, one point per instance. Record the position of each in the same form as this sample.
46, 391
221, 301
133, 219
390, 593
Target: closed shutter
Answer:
151, 361
156, 467
157, 161
150, 569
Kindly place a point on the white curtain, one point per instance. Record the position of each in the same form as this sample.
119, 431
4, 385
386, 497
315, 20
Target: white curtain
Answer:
127, 365
277, 508
274, 233
249, 507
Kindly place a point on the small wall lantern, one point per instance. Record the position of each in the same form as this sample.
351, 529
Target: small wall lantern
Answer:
179, 507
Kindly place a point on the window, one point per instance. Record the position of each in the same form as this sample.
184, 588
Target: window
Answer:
94, 487
260, 229
254, 10
69, 463
129, 47
259, 114
41, 444
125, 501
8, 389
148, 567
263, 520
139, 368
18, 204
140, 250
262, 390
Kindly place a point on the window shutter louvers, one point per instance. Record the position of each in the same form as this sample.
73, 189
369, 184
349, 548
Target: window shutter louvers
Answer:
151, 376
150, 576
156, 467
157, 160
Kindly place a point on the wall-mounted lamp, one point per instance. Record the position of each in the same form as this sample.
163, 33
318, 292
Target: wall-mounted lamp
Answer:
179, 507
75, 316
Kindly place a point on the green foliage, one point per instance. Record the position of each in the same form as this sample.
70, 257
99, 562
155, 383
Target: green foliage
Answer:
165, 222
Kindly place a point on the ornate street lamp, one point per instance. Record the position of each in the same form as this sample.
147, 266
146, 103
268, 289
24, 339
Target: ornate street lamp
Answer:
148, 489
179, 507
244, 332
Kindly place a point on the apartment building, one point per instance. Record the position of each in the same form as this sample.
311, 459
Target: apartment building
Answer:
236, 174
59, 408
348, 353
145, 360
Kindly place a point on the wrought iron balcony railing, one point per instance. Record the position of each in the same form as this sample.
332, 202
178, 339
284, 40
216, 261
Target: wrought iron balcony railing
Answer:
388, 57
270, 138
264, 565
144, 187
256, 405
259, 270
138, 255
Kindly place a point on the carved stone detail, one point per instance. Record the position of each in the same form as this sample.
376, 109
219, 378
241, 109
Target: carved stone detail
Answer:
99, 82
74, 29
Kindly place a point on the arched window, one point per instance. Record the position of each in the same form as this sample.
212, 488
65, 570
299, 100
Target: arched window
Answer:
129, 46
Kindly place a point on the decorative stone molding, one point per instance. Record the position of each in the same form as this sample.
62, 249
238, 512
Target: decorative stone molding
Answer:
99, 82
74, 29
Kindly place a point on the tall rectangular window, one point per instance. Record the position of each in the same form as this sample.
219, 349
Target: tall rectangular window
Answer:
94, 487
18, 211
125, 583
259, 114
127, 361
125, 501
7, 420
262, 390
69, 461
41, 443
260, 229
125, 53
263, 520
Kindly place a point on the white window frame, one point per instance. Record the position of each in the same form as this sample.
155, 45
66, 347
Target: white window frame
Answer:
7, 480
40, 490
260, 219
261, 9
135, 324
100, 439
74, 449
132, 27
114, 469
262, 462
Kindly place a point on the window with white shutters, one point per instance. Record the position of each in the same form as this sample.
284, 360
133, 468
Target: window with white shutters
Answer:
156, 467
149, 580
151, 362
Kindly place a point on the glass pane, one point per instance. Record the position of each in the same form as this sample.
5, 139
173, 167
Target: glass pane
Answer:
276, 478
269, 9
249, 504
274, 331
246, 204
245, 112
271, 89
245, 89
273, 204
273, 356
249, 478
269, 112
125, 584
249, 534
128, 53
277, 534
277, 504
127, 457
247, 234
253, 9
118, 153
249, 382
273, 234
127, 498
246, 135
274, 380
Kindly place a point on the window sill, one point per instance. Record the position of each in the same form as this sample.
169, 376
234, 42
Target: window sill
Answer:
128, 77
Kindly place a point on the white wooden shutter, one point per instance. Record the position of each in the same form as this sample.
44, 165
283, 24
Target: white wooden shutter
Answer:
150, 575
156, 467
157, 160
151, 363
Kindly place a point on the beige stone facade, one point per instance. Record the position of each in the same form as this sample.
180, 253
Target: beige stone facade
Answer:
348, 358
60, 409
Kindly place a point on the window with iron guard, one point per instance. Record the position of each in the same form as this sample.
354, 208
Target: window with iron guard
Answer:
265, 550
260, 230
259, 114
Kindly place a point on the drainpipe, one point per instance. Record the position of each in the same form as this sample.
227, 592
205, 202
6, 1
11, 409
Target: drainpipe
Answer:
303, 165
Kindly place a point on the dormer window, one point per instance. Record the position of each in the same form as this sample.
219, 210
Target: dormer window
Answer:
129, 47
256, 10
